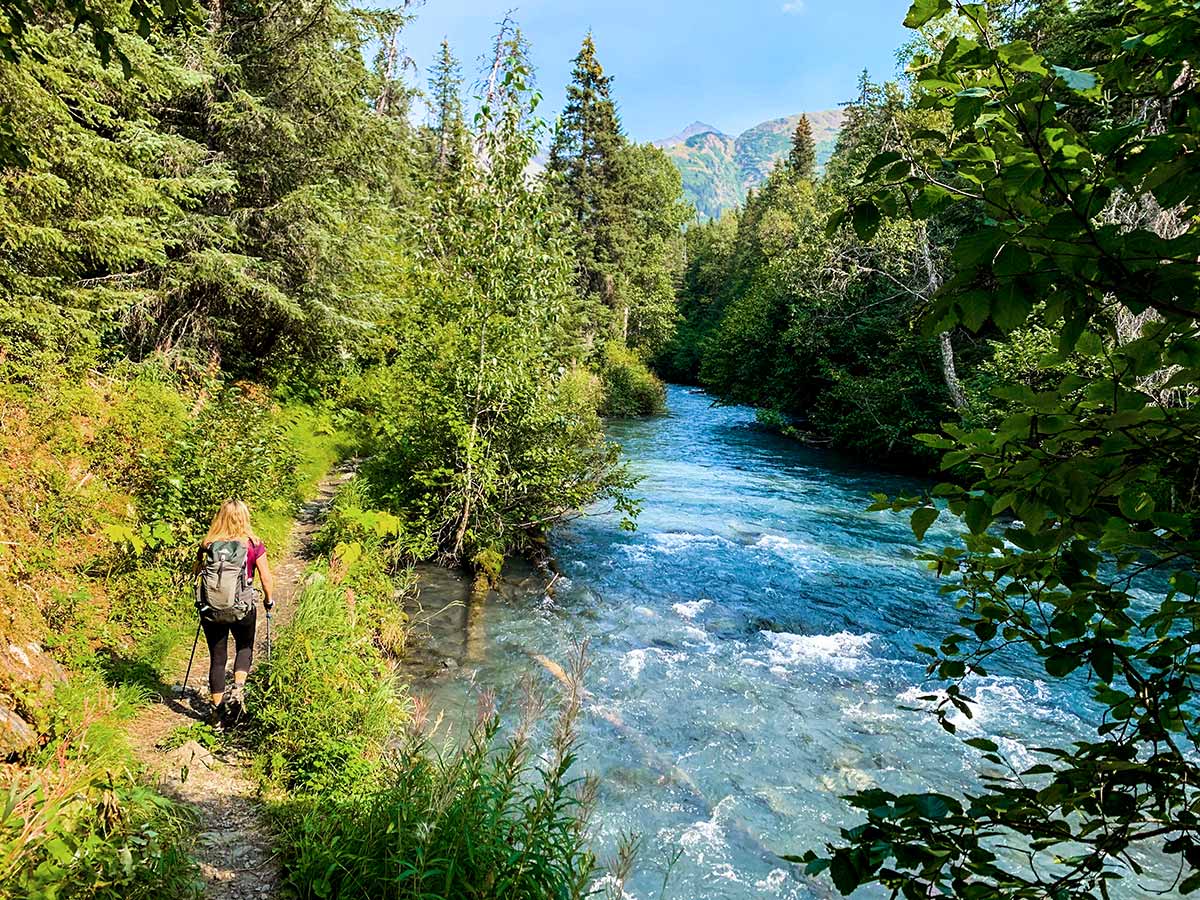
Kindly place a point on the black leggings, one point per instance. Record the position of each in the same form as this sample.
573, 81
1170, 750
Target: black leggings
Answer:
216, 634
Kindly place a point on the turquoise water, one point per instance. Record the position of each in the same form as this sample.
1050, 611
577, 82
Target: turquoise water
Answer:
752, 652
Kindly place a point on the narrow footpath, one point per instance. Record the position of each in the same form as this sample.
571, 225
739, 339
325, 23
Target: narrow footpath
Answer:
234, 840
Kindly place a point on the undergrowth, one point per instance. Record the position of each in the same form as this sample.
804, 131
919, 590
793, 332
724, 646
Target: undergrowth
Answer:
365, 802
106, 483
75, 822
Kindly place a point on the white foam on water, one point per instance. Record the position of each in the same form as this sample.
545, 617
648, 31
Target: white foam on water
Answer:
692, 608
670, 543
860, 712
776, 542
994, 699
607, 886
634, 661
774, 883
842, 651
796, 552
726, 872
1016, 753
707, 836
964, 725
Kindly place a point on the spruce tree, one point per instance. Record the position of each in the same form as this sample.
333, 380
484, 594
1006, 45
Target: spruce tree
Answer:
449, 129
802, 160
586, 157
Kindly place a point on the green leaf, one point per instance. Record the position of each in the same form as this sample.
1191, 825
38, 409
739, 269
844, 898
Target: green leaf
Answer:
1010, 307
923, 10
1021, 56
845, 870
922, 518
1078, 81
982, 744
978, 515
1061, 663
866, 218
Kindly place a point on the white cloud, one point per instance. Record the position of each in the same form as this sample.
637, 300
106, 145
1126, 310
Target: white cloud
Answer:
792, 7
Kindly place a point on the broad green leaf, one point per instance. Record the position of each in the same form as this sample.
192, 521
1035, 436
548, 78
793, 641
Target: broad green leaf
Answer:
1080, 82
922, 518
866, 218
923, 10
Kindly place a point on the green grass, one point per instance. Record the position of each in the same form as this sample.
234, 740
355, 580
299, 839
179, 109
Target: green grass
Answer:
370, 807
364, 802
318, 447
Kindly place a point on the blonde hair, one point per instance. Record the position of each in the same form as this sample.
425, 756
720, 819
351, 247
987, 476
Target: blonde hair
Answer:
231, 523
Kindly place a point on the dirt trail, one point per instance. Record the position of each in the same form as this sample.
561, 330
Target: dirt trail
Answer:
233, 845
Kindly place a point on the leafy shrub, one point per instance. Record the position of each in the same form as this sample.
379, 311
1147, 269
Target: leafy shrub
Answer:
630, 388
235, 446
778, 422
492, 480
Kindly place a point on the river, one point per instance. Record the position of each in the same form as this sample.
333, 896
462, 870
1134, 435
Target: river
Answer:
756, 631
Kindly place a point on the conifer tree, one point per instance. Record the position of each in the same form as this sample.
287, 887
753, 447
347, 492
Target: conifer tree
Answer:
803, 158
586, 157
449, 129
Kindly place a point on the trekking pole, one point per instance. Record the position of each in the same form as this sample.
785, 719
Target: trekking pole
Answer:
268, 637
182, 689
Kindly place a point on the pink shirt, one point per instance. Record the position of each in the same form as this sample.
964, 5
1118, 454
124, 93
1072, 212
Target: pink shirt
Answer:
254, 552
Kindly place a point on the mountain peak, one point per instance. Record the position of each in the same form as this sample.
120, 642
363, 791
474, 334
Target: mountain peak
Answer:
690, 132
717, 171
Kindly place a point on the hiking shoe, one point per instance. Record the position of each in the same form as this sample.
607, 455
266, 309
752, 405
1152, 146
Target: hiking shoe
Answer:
214, 715
235, 703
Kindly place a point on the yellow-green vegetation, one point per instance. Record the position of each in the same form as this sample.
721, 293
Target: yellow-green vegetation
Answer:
104, 497
630, 388
219, 262
76, 822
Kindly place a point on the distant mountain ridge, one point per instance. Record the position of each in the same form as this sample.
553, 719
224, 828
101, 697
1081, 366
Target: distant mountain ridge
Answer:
718, 169
691, 131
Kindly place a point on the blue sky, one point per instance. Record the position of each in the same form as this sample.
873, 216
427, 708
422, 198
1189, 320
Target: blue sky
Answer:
730, 63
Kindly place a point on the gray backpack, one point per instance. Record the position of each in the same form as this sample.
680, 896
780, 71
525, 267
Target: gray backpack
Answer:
223, 592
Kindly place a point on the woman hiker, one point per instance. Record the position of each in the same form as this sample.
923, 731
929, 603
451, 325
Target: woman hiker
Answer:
226, 562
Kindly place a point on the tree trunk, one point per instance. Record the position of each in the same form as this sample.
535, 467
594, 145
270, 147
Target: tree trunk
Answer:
933, 281
957, 396
464, 519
